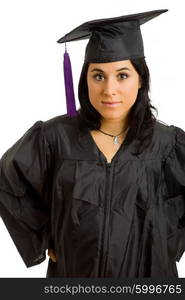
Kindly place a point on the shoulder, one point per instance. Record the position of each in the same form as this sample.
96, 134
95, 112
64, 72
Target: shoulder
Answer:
58, 126
167, 135
163, 130
60, 121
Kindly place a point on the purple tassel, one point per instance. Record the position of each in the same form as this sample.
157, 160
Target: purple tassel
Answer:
68, 79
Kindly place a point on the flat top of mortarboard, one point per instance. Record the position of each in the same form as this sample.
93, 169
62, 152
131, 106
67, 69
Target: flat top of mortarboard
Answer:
85, 30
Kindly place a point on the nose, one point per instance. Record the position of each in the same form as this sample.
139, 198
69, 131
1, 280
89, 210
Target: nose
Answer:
109, 87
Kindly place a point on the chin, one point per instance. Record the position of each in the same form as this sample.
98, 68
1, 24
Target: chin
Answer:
112, 115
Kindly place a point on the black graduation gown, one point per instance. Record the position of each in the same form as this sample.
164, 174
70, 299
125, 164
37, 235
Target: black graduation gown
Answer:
120, 219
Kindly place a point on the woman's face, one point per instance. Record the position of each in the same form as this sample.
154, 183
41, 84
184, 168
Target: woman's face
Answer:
113, 82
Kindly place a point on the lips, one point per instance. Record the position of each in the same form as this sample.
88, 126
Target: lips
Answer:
110, 102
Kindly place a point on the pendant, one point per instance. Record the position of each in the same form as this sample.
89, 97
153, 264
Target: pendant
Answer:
115, 140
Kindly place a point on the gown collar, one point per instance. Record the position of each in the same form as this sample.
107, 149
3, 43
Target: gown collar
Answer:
92, 152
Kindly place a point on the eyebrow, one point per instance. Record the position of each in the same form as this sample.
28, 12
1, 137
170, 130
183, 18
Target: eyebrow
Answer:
99, 70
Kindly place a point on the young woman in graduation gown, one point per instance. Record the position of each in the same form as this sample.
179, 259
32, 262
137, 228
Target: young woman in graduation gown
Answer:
102, 188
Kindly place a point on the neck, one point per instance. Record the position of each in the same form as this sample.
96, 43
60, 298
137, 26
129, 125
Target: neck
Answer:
114, 127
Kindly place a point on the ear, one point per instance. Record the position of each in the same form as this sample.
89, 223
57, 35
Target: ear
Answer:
140, 82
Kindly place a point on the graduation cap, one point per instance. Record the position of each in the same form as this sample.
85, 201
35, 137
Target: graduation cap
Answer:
110, 39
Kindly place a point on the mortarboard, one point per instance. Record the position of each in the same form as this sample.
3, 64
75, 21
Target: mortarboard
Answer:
110, 39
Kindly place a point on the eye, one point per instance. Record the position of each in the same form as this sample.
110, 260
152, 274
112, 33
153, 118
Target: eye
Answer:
98, 77
123, 76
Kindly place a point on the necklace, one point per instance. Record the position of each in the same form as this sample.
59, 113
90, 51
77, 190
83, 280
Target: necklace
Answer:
115, 137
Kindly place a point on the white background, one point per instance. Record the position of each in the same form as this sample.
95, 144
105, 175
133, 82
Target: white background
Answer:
31, 77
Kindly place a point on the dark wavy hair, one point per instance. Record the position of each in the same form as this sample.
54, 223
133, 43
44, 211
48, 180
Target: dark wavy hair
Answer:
141, 117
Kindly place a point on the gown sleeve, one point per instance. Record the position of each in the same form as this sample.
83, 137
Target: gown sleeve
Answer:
175, 182
24, 194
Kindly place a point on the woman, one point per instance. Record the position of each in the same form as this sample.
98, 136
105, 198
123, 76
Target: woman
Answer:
103, 188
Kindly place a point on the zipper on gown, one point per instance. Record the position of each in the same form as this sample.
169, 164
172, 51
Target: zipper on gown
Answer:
105, 230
